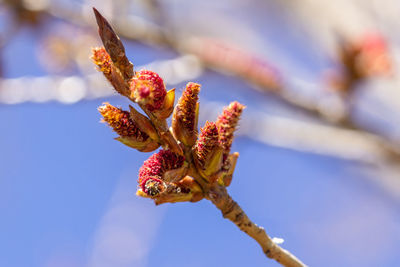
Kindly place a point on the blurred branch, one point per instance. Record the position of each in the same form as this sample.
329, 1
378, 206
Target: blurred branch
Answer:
224, 57
216, 54
72, 89
272, 130
276, 131
212, 54
341, 138
313, 137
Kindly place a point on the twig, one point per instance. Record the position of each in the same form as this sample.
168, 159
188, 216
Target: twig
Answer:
192, 165
230, 210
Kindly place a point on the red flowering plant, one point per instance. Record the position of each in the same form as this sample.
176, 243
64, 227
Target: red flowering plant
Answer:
191, 165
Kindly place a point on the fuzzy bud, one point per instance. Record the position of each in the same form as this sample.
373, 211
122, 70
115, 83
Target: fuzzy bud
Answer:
148, 89
104, 64
207, 141
160, 164
129, 132
103, 61
207, 152
184, 120
226, 124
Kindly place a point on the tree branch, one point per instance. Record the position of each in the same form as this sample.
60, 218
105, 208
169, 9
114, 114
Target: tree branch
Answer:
219, 196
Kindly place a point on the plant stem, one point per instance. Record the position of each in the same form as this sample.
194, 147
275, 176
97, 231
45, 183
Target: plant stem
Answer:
219, 196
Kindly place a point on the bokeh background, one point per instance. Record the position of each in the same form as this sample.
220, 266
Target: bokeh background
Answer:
319, 161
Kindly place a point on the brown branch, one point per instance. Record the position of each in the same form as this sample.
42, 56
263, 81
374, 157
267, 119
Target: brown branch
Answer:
219, 196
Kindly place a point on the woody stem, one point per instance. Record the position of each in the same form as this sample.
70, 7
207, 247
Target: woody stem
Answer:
219, 196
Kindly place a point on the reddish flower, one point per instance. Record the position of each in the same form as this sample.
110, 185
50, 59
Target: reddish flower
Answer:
159, 163
148, 88
226, 124
121, 122
102, 59
184, 122
207, 142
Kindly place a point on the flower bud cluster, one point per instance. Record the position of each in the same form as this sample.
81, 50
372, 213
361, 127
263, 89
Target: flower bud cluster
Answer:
189, 162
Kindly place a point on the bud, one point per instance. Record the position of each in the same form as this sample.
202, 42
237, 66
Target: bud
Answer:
161, 164
184, 120
103, 61
114, 46
130, 134
148, 89
207, 152
226, 124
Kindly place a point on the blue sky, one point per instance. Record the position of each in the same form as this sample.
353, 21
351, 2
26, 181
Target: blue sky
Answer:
67, 191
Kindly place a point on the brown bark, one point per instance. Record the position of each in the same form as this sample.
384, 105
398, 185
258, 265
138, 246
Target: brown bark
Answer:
233, 212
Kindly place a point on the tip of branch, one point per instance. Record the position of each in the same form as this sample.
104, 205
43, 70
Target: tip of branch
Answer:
99, 19
96, 13
113, 45
105, 30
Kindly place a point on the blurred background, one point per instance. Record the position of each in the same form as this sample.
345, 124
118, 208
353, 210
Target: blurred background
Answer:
319, 142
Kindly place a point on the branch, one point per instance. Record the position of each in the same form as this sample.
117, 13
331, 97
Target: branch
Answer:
230, 210
192, 165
